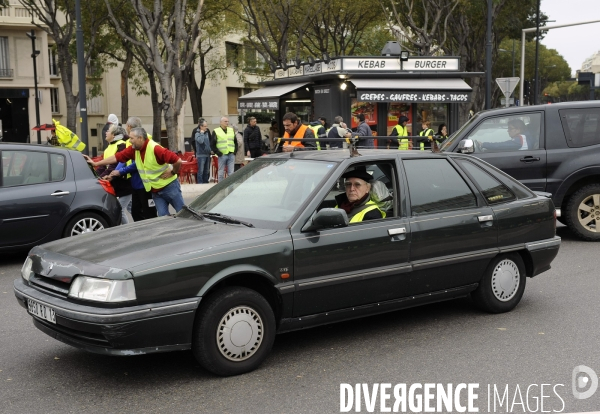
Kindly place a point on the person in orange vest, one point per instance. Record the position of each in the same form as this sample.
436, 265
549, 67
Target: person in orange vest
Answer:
294, 129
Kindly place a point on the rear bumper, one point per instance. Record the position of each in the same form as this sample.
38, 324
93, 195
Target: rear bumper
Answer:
133, 330
542, 253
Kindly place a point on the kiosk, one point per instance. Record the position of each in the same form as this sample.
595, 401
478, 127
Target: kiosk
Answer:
383, 88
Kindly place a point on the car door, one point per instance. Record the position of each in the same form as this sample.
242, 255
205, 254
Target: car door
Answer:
528, 165
453, 231
362, 263
37, 190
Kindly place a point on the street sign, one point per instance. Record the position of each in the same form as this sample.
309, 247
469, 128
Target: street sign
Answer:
511, 101
507, 85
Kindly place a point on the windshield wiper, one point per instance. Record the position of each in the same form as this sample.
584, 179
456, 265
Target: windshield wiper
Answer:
226, 219
195, 213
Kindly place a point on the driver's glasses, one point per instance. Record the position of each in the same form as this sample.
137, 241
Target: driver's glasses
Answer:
350, 185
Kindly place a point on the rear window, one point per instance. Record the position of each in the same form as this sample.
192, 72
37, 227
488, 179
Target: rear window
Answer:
493, 190
581, 126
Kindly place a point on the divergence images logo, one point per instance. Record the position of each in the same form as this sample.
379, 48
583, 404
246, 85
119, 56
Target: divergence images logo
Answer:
584, 377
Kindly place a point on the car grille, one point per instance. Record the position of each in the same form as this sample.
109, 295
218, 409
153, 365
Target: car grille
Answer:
48, 285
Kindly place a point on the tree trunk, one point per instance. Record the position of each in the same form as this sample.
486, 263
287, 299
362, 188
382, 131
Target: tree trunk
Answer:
195, 93
156, 106
65, 63
125, 86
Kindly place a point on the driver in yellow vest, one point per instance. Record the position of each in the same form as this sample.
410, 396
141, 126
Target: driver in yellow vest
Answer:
153, 162
356, 201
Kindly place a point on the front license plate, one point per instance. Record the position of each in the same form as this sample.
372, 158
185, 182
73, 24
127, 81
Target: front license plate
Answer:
41, 311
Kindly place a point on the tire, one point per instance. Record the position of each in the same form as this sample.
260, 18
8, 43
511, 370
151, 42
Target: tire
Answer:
84, 223
583, 212
502, 285
249, 317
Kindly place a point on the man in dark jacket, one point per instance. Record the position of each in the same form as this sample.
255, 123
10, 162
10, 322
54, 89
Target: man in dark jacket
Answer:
338, 130
252, 139
201, 144
363, 130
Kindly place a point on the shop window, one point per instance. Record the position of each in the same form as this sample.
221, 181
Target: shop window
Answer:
581, 126
435, 113
435, 186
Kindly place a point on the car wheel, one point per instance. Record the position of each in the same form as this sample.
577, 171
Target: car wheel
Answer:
84, 223
583, 212
233, 332
502, 285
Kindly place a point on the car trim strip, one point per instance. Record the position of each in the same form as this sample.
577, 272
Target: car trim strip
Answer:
325, 280
424, 264
544, 244
25, 218
447, 217
361, 228
512, 248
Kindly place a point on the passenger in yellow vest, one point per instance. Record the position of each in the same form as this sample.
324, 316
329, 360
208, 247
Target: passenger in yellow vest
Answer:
400, 131
224, 144
115, 142
154, 165
356, 201
426, 132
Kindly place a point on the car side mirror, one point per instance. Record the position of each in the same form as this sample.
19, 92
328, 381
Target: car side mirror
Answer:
327, 218
466, 146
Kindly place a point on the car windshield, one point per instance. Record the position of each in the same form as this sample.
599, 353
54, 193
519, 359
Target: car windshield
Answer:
448, 143
266, 193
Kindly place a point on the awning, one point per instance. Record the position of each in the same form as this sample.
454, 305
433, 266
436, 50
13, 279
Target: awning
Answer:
412, 90
267, 97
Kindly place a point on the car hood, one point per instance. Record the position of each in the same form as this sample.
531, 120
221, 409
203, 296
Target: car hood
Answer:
125, 247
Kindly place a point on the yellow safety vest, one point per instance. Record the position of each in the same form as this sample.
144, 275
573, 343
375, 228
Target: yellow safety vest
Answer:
315, 129
369, 206
402, 132
150, 170
67, 138
112, 150
424, 133
225, 141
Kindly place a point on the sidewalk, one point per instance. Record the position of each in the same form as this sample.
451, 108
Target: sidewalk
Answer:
194, 190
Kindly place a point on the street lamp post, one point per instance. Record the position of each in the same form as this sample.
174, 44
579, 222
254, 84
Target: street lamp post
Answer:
34, 54
488, 60
81, 78
513, 57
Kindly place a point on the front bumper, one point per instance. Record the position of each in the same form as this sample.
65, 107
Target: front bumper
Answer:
158, 327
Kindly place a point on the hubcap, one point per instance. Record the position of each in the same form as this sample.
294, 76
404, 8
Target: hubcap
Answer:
240, 333
86, 225
589, 213
505, 280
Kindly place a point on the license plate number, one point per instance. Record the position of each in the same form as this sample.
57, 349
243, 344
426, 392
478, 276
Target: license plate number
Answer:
41, 311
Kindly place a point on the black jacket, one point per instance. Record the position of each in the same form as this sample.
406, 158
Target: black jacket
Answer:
252, 138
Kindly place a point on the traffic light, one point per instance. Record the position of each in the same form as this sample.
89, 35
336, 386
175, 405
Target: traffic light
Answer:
526, 88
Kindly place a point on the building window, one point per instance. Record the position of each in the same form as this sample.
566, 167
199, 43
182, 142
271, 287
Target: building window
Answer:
232, 54
54, 101
52, 61
250, 60
5, 70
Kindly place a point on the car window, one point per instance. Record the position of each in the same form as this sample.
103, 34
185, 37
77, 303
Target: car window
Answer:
581, 126
508, 133
381, 190
57, 167
267, 192
493, 190
435, 186
24, 168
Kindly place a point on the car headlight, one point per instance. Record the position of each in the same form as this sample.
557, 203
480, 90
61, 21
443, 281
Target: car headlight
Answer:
102, 290
26, 271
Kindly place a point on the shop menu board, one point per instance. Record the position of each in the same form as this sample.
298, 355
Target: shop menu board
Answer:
395, 111
368, 109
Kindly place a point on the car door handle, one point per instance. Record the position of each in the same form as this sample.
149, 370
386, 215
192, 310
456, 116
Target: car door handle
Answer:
529, 158
60, 193
483, 219
395, 232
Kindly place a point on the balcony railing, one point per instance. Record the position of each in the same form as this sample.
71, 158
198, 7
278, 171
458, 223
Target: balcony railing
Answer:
6, 73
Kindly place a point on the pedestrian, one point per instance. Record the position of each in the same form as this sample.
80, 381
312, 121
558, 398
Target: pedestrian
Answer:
273, 135
294, 128
364, 130
116, 142
240, 157
400, 131
142, 206
224, 144
134, 122
112, 120
323, 122
442, 133
152, 162
201, 145
338, 131
252, 139
427, 134
319, 130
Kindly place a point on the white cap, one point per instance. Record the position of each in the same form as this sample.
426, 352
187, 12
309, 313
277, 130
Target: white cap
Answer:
112, 119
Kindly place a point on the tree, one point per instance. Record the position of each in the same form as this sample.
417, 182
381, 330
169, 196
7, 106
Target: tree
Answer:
46, 16
169, 39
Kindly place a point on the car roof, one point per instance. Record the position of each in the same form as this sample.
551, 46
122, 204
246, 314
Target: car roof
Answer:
21, 146
365, 154
543, 107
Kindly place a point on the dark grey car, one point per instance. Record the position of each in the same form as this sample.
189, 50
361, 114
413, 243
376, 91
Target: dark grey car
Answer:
47, 193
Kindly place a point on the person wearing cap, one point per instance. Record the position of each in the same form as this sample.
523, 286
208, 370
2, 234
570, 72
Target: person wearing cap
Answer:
112, 120
356, 201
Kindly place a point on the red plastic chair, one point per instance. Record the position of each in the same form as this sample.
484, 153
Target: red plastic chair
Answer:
188, 156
